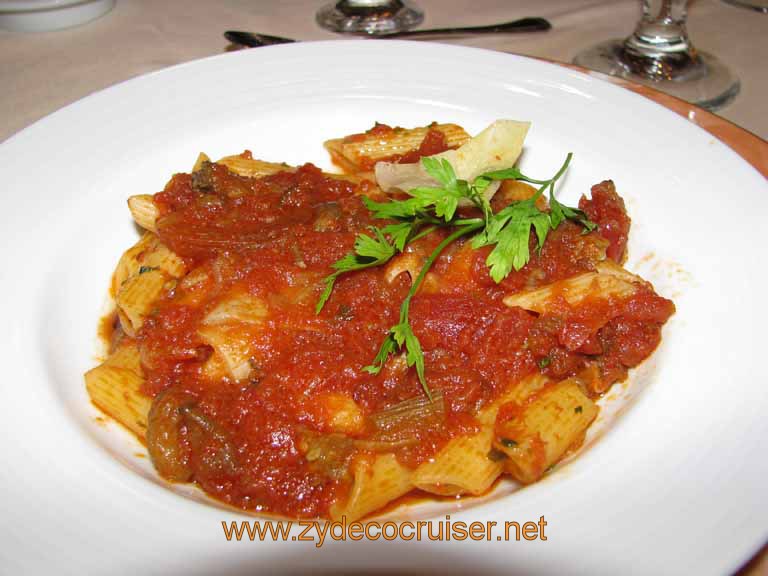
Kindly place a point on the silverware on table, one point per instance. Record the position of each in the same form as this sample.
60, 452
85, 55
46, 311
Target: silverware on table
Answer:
254, 40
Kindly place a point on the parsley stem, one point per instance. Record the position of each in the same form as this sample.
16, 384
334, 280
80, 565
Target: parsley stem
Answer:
556, 177
432, 208
422, 233
551, 182
468, 221
563, 168
463, 231
533, 180
429, 219
405, 306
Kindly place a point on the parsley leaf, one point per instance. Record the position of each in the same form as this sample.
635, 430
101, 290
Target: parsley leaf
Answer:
404, 336
369, 251
389, 346
511, 250
510, 228
376, 246
559, 212
401, 336
400, 233
441, 170
400, 210
430, 207
443, 200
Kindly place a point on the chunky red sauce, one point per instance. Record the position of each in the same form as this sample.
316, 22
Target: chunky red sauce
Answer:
607, 208
275, 238
434, 142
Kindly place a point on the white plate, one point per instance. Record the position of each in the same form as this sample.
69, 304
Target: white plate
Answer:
676, 485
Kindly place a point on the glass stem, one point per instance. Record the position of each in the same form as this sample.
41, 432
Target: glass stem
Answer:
660, 55
362, 3
368, 7
659, 47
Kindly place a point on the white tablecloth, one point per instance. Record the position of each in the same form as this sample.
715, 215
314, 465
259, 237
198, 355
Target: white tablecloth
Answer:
40, 72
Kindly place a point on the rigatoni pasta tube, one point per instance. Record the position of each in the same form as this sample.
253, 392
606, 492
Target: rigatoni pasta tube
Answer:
361, 151
147, 254
610, 280
541, 432
136, 297
115, 388
257, 336
232, 346
462, 467
251, 168
202, 158
144, 211
236, 308
377, 481
466, 464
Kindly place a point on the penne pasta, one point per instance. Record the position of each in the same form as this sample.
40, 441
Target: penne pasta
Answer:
238, 308
145, 272
232, 349
608, 281
202, 158
495, 148
515, 190
146, 255
251, 168
542, 431
467, 465
340, 413
408, 262
377, 481
137, 296
464, 466
115, 388
295, 369
144, 211
360, 152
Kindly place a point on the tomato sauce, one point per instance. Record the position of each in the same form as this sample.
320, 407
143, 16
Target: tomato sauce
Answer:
434, 142
275, 238
607, 208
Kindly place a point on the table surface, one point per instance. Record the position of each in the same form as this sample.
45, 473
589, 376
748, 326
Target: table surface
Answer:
41, 72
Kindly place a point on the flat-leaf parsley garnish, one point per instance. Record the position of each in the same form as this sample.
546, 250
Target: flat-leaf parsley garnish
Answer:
429, 208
